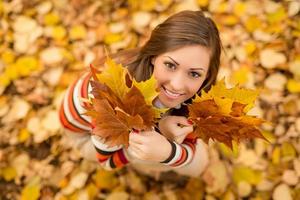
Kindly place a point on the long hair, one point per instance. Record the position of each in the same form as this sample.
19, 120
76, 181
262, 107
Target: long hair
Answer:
179, 30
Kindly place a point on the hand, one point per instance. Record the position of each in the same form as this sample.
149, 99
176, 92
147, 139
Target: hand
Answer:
149, 145
175, 128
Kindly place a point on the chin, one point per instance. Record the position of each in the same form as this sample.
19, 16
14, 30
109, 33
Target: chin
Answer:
170, 104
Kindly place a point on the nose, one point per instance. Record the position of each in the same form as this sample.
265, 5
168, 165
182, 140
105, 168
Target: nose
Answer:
177, 82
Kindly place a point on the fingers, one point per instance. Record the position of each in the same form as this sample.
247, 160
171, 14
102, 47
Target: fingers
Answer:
187, 129
135, 138
135, 152
184, 121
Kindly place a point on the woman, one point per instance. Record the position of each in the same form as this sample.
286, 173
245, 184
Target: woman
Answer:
183, 54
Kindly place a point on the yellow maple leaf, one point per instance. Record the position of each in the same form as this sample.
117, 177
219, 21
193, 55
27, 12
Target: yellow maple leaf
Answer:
148, 5
148, 90
253, 23
225, 97
278, 16
32, 190
119, 103
8, 56
112, 38
244, 173
113, 76
239, 8
9, 173
220, 114
78, 32
51, 19
202, 3
27, 64
240, 76
58, 32
293, 86
105, 179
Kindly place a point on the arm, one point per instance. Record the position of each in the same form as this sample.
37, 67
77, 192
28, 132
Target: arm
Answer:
78, 127
109, 157
152, 146
182, 154
178, 130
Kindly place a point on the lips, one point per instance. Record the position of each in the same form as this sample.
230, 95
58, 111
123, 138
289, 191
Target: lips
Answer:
171, 94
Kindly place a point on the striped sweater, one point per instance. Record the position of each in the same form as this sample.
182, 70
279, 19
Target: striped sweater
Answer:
73, 120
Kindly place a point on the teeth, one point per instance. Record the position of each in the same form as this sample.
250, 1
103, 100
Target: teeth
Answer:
171, 93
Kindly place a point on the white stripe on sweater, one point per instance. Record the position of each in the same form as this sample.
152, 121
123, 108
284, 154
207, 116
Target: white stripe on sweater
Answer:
189, 156
99, 144
177, 155
69, 115
76, 99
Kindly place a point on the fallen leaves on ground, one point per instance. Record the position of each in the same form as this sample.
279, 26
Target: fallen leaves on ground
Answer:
45, 45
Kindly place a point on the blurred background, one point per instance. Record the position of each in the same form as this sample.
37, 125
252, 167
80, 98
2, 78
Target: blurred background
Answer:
46, 44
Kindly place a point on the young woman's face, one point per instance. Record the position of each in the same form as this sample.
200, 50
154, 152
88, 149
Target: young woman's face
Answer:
180, 73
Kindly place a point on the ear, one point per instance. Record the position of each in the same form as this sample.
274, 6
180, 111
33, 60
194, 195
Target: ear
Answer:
153, 60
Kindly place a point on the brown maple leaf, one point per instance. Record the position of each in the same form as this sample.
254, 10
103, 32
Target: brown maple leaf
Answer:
135, 104
113, 116
113, 125
210, 123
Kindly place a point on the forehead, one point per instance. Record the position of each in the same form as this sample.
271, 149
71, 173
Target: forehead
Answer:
190, 56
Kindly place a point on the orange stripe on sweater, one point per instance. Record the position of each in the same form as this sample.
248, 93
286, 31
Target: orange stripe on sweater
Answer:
182, 158
85, 83
116, 160
192, 145
66, 124
101, 157
72, 108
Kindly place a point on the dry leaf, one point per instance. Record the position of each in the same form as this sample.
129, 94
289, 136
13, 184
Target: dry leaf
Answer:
282, 191
51, 56
271, 59
220, 114
118, 195
141, 19
276, 82
32, 190
117, 108
18, 111
78, 32
290, 177
216, 177
244, 189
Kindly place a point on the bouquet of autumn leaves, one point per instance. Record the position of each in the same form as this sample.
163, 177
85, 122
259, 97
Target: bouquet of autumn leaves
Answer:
120, 105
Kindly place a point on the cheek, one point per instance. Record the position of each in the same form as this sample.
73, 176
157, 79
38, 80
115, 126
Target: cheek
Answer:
159, 74
194, 87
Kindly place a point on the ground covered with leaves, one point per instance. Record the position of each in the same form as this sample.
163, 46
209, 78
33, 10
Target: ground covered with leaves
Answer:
45, 45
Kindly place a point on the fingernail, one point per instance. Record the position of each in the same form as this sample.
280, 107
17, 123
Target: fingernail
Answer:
135, 130
189, 121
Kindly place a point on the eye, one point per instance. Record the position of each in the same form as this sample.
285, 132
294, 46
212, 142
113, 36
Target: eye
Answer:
195, 74
170, 65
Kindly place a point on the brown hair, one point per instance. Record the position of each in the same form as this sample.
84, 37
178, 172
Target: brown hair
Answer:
181, 29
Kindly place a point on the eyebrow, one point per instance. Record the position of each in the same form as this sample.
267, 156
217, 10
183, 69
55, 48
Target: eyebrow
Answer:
178, 64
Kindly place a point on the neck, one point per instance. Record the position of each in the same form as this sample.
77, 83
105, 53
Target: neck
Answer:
158, 104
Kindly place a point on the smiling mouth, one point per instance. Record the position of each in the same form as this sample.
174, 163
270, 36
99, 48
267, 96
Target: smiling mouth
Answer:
171, 94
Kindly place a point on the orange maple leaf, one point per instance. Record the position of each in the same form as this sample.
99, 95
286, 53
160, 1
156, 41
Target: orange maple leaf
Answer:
211, 123
113, 116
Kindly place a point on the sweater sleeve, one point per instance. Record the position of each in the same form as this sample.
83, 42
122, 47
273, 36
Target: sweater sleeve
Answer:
109, 157
181, 154
72, 107
73, 120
